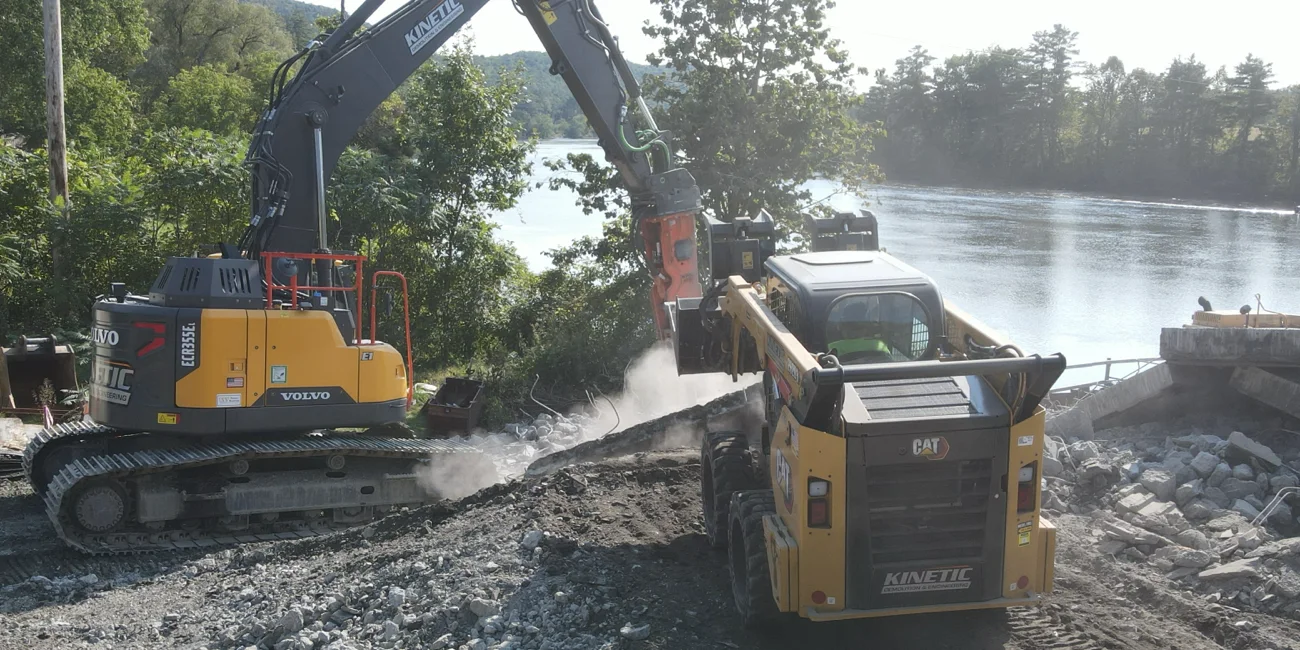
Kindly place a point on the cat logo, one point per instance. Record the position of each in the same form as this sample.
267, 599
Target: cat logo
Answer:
930, 448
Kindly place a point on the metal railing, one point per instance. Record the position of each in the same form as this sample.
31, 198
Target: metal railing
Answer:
1111, 378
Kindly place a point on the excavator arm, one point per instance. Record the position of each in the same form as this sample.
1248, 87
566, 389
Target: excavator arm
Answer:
312, 117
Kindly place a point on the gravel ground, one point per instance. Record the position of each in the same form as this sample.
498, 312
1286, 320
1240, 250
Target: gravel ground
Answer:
607, 555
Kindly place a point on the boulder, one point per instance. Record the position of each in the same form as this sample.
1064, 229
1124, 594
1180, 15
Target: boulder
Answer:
1192, 538
1204, 463
1217, 497
1188, 491
1239, 443
1096, 473
1186, 557
1281, 515
1236, 488
1245, 508
1221, 473
1051, 466
1081, 451
1248, 540
1286, 582
1160, 482
1283, 481
1199, 509
1243, 472
1226, 522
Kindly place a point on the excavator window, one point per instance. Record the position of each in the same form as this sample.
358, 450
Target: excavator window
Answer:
877, 328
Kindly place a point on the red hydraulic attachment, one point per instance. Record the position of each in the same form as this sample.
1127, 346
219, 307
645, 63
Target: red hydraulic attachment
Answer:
406, 313
356, 289
670, 256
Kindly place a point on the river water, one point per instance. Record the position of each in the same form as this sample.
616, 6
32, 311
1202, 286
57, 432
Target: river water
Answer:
1087, 276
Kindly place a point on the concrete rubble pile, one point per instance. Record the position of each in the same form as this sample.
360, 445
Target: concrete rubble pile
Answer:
1213, 512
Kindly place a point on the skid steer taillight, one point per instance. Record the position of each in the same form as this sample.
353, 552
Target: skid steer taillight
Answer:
1025, 487
819, 510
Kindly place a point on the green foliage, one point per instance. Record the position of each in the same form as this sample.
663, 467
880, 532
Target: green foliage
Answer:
761, 100
172, 193
225, 34
204, 97
578, 324
107, 34
1019, 117
427, 214
99, 108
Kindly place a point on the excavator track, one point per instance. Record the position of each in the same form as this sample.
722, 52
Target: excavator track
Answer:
94, 498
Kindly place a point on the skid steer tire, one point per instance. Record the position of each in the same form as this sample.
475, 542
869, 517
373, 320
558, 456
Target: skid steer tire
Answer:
751, 584
725, 468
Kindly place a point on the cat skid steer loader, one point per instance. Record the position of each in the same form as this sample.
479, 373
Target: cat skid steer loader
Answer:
898, 470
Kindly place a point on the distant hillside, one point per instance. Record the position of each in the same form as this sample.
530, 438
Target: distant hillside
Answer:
548, 109
299, 17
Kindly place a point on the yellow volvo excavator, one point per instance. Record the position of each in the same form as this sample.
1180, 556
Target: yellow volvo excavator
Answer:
899, 467
217, 398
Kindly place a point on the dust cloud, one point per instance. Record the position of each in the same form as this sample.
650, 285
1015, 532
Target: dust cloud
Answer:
651, 389
457, 475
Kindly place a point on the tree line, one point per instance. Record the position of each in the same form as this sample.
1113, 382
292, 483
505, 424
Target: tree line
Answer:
1035, 116
162, 94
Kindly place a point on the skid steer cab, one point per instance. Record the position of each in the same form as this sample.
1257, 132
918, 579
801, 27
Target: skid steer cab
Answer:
898, 469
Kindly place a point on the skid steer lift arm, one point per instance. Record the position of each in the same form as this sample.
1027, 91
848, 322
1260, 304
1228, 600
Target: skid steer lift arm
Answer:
342, 80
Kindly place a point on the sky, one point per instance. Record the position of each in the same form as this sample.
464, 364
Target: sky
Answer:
1142, 33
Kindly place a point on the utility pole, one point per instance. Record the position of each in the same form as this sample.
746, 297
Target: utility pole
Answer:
56, 143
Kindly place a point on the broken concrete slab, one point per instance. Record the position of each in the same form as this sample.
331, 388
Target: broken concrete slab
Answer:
1267, 388
1135, 502
1281, 548
1238, 569
1160, 482
1122, 396
1157, 509
1239, 442
1112, 546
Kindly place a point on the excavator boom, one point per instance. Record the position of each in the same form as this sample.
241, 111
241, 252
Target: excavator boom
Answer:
313, 117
